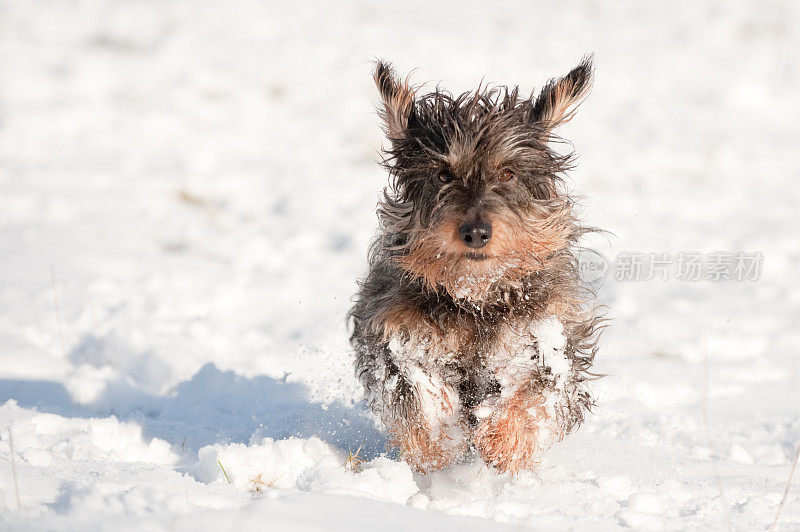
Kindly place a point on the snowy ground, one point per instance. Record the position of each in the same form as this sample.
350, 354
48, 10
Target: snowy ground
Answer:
198, 181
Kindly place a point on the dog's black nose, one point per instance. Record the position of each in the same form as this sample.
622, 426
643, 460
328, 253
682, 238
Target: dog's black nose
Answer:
475, 234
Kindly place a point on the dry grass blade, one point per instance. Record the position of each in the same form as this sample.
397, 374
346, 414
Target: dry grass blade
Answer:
224, 472
786, 491
354, 460
257, 484
13, 466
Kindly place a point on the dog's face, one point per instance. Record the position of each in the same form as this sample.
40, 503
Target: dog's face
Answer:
476, 196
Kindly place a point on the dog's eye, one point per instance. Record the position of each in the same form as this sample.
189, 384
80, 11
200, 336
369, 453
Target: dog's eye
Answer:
445, 176
506, 175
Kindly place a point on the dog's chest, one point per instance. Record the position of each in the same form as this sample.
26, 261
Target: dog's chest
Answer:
514, 349
525, 348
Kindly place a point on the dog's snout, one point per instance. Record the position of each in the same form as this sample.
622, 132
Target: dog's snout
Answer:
476, 234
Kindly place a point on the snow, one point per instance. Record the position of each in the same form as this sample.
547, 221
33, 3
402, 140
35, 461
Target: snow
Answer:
549, 334
197, 180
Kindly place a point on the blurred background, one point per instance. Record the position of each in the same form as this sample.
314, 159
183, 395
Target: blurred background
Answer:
194, 182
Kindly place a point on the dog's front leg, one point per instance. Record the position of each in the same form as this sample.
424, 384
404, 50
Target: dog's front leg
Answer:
536, 405
422, 413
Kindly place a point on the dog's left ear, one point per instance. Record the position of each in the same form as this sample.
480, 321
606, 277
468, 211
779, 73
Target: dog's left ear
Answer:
560, 98
397, 97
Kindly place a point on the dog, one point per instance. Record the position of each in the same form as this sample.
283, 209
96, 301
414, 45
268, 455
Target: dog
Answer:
472, 330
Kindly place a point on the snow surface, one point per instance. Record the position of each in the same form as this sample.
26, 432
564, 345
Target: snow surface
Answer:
198, 180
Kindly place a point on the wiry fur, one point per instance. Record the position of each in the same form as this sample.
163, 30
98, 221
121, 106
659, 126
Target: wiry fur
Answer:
449, 341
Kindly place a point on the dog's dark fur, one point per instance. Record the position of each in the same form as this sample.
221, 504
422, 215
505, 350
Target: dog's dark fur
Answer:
462, 347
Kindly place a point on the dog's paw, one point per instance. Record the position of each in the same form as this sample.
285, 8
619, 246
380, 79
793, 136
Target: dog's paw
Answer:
514, 432
426, 450
429, 430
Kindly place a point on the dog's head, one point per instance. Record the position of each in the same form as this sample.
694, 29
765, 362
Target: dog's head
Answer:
476, 200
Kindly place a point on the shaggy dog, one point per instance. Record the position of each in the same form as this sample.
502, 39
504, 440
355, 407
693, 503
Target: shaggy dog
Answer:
472, 330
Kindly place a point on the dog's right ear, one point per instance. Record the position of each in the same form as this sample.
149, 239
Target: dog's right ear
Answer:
397, 98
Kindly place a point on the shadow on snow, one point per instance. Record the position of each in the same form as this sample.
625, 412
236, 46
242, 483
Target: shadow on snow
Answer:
215, 407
